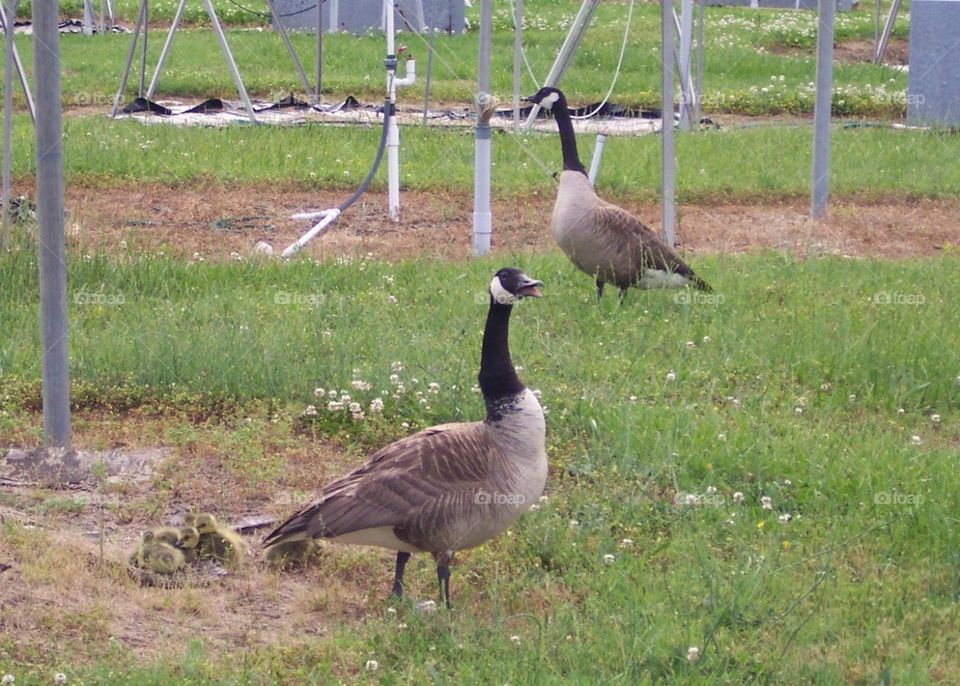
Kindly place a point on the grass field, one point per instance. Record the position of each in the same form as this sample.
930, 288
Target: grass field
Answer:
755, 63
765, 474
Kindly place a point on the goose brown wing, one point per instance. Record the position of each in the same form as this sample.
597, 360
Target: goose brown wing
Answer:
640, 240
416, 472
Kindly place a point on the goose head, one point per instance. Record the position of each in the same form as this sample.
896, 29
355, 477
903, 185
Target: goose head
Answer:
510, 285
547, 97
206, 524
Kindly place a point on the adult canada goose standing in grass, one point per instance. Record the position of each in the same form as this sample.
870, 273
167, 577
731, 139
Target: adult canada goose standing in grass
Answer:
452, 486
600, 238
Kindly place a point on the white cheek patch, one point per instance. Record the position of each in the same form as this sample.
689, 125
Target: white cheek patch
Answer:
548, 102
500, 294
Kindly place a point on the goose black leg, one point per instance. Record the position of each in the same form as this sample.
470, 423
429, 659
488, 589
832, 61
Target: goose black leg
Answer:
402, 559
623, 294
599, 289
443, 576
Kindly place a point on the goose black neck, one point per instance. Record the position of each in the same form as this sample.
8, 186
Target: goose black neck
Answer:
498, 379
568, 140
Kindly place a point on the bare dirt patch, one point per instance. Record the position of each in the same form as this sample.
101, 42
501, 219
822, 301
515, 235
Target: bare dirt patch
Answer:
856, 51
218, 221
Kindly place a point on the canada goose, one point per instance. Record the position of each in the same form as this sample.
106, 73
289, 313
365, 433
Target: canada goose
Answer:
218, 542
156, 555
449, 487
601, 239
291, 553
188, 542
167, 534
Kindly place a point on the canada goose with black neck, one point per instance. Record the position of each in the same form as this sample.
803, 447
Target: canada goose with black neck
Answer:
600, 238
449, 487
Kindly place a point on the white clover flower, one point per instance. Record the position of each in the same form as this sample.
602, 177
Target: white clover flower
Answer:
798, 410
434, 387
405, 425
376, 405
722, 437
706, 339
319, 392
334, 406
391, 610
59, 678
852, 397
394, 379
632, 398
671, 375
935, 418
414, 381
332, 394
901, 411
916, 440
533, 508
787, 483
311, 411
359, 385
392, 299
474, 388
626, 542
515, 640
544, 498
766, 503
401, 626
784, 518
825, 387
123, 245
711, 490
372, 665
691, 344
235, 256
608, 559
344, 397
355, 407
693, 654
358, 416
574, 523
396, 367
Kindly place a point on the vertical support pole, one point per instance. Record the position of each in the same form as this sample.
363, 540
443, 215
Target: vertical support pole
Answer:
595, 161
482, 215
87, 17
887, 31
517, 58
282, 30
319, 66
143, 53
393, 130
687, 101
667, 187
698, 78
7, 121
52, 252
426, 89
821, 109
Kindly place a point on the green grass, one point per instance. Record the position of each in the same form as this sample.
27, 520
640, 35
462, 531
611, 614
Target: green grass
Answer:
744, 50
766, 162
789, 387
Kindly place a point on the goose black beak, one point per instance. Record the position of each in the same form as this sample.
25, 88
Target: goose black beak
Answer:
528, 288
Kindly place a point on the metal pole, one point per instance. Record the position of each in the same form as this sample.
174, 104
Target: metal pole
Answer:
87, 17
698, 79
567, 50
686, 45
52, 253
595, 161
319, 69
393, 131
281, 29
228, 56
426, 89
21, 73
887, 30
7, 121
517, 57
141, 18
821, 109
482, 215
667, 191
143, 53
165, 52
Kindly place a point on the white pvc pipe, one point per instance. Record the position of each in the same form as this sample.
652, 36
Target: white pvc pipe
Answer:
595, 161
667, 188
482, 214
295, 247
